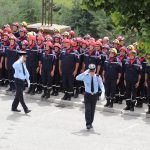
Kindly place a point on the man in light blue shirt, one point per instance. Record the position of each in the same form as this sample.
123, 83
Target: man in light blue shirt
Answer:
92, 83
21, 74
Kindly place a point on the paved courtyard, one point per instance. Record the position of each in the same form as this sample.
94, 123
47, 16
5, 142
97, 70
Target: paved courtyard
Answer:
50, 127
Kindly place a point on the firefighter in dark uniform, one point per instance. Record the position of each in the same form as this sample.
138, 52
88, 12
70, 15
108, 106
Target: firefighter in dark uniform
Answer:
5, 46
83, 49
11, 56
147, 80
68, 67
92, 83
1, 63
47, 69
15, 29
57, 78
104, 56
120, 93
132, 76
77, 84
41, 49
141, 90
91, 57
24, 45
32, 62
22, 37
111, 76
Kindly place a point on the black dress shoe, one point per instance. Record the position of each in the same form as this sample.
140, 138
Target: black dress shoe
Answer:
88, 127
27, 111
16, 110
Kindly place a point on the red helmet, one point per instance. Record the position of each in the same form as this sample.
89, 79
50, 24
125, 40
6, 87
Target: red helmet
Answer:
57, 45
79, 39
25, 42
49, 44
99, 43
16, 24
32, 37
7, 29
49, 38
120, 38
123, 49
66, 41
23, 30
41, 38
6, 34
92, 43
72, 33
12, 37
85, 42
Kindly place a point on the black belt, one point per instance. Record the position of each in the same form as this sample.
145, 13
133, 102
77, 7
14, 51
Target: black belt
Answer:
93, 94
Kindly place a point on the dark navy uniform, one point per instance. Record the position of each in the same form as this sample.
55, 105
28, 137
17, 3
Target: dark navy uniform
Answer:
120, 92
91, 57
69, 59
112, 69
57, 77
132, 73
1, 62
32, 64
48, 61
11, 56
41, 50
148, 87
5, 46
141, 90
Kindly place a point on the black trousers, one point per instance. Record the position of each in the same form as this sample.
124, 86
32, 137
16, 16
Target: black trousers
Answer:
131, 90
148, 92
68, 82
11, 78
90, 104
19, 84
33, 75
47, 79
110, 88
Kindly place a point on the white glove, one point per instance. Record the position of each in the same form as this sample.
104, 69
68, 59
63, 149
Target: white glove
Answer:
28, 83
102, 96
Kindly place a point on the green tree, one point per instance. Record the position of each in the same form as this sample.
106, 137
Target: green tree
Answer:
131, 15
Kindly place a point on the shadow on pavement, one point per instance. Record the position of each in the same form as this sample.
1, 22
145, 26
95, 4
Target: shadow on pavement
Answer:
85, 132
16, 116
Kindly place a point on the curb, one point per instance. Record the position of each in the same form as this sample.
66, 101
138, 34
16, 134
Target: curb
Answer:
64, 103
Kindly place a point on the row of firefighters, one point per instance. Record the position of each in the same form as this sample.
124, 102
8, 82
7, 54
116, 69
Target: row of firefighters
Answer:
55, 60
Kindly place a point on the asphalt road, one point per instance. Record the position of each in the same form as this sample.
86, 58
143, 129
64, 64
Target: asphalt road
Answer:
50, 127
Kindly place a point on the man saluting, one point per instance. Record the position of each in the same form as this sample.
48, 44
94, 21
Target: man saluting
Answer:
92, 83
21, 74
